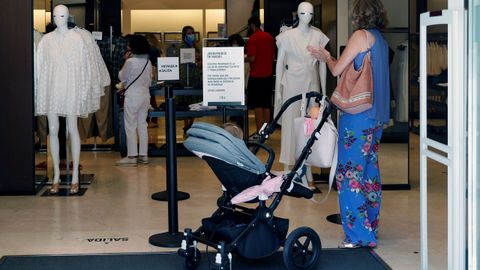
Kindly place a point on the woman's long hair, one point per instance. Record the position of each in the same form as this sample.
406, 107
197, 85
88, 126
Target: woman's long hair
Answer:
366, 14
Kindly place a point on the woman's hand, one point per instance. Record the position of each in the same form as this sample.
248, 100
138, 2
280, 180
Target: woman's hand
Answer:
319, 53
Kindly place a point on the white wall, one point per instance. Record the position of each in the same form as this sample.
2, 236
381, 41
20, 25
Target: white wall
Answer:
171, 20
238, 13
129, 5
397, 12
343, 22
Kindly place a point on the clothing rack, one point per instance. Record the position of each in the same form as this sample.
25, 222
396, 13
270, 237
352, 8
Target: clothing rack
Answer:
440, 37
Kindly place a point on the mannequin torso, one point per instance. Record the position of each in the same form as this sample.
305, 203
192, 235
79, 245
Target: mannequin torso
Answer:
63, 86
297, 72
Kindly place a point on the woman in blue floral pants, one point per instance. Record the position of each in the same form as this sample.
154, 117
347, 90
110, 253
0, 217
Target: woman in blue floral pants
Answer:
358, 178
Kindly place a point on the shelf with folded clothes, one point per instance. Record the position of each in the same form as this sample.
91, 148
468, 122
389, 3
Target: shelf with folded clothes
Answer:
437, 95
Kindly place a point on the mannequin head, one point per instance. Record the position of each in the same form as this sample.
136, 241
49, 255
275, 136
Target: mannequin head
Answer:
60, 16
305, 13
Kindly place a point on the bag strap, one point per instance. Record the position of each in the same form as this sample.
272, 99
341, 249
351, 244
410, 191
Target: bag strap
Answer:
126, 88
368, 42
303, 106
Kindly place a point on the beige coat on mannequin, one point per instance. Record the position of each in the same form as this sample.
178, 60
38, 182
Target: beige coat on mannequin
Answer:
297, 72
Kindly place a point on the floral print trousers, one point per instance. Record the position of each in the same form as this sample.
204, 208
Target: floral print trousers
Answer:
358, 178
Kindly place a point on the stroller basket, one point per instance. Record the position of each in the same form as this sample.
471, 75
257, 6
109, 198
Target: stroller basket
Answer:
256, 242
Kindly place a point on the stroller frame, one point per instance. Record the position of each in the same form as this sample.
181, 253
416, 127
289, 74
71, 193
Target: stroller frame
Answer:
264, 213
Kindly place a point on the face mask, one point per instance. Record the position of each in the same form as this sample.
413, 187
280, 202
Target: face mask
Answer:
190, 38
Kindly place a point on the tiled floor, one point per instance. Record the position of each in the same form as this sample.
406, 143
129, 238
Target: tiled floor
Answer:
117, 206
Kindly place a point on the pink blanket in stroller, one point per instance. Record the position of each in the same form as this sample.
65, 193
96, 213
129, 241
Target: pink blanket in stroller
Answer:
265, 190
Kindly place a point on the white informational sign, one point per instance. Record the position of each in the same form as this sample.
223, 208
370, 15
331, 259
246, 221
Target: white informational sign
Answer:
168, 69
223, 76
187, 55
97, 35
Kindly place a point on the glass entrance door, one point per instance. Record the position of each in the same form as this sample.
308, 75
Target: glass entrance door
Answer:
474, 134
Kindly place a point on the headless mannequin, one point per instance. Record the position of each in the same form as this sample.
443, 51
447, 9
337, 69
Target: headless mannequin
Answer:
302, 34
60, 17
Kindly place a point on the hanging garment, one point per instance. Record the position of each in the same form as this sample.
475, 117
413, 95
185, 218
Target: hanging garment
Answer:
113, 55
98, 97
99, 72
401, 85
42, 126
300, 74
102, 118
64, 76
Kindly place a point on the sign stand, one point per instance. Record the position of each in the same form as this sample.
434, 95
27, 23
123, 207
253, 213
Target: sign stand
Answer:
171, 157
173, 237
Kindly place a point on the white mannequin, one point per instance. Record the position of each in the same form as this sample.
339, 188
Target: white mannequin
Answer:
60, 17
297, 72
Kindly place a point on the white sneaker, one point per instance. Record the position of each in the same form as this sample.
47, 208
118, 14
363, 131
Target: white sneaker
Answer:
142, 160
127, 162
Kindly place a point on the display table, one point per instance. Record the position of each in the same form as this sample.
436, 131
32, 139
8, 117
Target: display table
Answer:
223, 112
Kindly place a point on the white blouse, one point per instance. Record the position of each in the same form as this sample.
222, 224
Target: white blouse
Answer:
70, 75
131, 69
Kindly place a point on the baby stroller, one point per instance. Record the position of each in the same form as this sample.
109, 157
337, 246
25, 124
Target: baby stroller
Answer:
251, 233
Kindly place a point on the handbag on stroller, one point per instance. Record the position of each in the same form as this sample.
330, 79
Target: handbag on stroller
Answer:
251, 233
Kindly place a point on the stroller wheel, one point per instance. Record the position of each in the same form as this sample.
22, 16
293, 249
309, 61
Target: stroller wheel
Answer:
192, 260
302, 249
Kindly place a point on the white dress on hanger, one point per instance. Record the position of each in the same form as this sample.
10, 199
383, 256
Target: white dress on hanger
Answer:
99, 72
64, 76
37, 37
300, 75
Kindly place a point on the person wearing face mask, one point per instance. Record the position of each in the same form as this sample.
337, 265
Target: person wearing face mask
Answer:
260, 56
296, 73
194, 74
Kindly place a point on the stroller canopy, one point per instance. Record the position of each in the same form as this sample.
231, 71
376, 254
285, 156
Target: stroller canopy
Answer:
209, 140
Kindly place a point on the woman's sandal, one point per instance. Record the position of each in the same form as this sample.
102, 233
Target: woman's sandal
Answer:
54, 188
74, 188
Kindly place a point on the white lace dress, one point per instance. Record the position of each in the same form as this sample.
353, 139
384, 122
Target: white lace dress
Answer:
99, 72
64, 75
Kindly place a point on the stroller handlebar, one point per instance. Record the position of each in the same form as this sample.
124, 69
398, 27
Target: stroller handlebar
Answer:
289, 178
318, 97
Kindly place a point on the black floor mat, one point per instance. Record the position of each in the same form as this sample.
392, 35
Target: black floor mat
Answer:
331, 259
